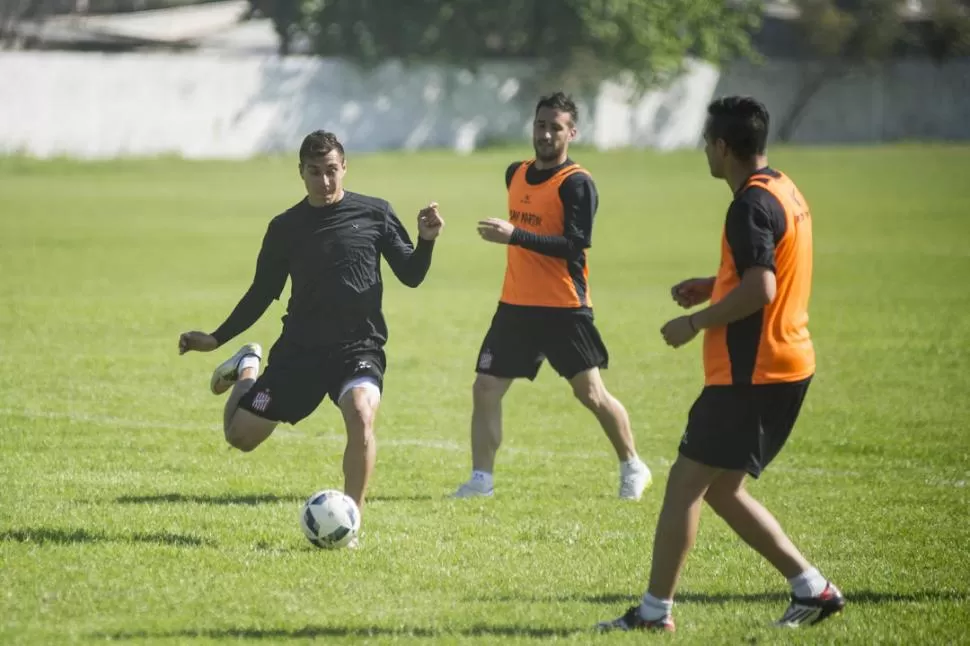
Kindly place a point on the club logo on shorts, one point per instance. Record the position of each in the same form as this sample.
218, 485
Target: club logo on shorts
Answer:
261, 401
485, 360
363, 365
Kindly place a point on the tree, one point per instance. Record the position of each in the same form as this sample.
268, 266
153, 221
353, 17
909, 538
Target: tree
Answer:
576, 43
871, 32
285, 16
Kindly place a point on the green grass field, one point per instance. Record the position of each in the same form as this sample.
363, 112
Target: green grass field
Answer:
124, 516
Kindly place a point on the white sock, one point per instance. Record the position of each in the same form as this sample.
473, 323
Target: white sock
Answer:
249, 361
631, 465
808, 584
652, 608
484, 478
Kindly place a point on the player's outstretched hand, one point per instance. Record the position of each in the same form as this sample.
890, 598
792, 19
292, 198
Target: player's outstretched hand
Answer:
496, 230
198, 341
692, 291
430, 222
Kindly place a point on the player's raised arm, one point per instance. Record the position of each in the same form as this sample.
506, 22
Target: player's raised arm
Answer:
409, 263
268, 282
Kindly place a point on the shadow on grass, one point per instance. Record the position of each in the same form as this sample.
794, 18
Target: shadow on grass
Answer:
48, 535
860, 597
311, 632
221, 499
380, 498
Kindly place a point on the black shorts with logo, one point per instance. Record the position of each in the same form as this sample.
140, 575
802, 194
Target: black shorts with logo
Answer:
297, 379
743, 427
520, 338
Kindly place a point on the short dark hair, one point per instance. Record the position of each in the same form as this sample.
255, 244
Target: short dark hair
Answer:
319, 143
561, 102
741, 122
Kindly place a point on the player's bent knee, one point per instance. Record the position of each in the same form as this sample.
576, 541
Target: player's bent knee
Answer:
487, 388
246, 431
592, 396
358, 400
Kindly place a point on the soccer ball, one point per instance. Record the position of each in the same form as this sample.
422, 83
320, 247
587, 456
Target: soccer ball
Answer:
330, 519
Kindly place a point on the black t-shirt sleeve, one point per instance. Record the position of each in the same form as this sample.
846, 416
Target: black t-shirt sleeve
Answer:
409, 263
510, 172
579, 201
267, 285
755, 223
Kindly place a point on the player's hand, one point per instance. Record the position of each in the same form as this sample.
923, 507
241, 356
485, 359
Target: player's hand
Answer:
678, 331
430, 222
496, 230
692, 291
198, 341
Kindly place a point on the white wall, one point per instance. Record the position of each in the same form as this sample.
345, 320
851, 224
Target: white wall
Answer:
206, 105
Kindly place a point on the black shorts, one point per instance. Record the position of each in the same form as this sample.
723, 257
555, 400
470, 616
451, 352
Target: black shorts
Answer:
297, 379
520, 338
742, 428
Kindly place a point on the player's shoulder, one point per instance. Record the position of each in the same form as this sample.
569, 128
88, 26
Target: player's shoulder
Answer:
756, 194
289, 216
511, 170
578, 179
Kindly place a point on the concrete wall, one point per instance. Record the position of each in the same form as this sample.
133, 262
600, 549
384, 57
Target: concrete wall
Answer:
198, 105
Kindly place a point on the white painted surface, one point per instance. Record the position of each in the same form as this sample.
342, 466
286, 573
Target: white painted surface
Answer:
208, 105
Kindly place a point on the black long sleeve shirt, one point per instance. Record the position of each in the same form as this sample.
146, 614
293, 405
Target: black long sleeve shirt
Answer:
579, 200
332, 256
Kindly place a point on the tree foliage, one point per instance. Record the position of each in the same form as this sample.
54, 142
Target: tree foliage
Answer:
840, 33
576, 42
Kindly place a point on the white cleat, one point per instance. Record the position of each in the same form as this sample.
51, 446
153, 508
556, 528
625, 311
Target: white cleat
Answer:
228, 371
473, 489
633, 480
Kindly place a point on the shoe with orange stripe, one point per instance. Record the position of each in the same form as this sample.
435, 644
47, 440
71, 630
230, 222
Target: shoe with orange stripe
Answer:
806, 611
633, 621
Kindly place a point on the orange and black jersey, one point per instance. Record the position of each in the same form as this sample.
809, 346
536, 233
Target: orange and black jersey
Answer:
332, 256
767, 225
553, 211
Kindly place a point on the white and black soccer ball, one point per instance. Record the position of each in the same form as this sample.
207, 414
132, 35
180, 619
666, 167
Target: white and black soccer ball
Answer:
330, 519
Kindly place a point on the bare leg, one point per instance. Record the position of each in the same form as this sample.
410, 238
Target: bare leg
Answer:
487, 394
589, 389
677, 525
359, 407
244, 430
755, 525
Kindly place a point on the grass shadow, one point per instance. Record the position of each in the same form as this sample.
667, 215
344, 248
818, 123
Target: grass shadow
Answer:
49, 535
415, 498
860, 597
314, 632
221, 499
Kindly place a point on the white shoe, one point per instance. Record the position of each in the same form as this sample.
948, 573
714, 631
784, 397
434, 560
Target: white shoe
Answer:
473, 489
633, 480
228, 371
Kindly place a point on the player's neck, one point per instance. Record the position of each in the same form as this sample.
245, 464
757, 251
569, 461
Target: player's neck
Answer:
330, 201
546, 165
737, 174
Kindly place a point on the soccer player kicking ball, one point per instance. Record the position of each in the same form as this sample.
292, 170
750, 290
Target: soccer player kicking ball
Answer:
330, 245
545, 311
758, 363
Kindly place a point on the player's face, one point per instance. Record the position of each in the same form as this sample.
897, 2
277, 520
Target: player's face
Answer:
716, 153
324, 177
552, 131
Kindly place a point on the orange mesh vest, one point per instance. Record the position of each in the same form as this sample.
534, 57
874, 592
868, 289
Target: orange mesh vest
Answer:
784, 348
532, 278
